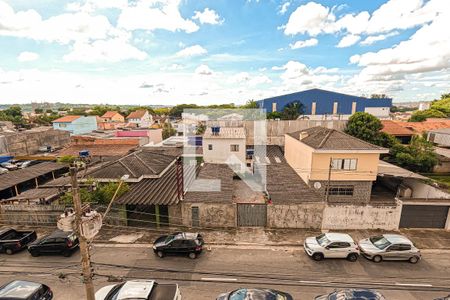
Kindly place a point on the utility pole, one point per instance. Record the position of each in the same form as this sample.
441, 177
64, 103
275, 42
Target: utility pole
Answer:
84, 249
327, 191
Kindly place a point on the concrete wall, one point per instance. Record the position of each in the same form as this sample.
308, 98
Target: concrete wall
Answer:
28, 142
220, 152
299, 157
175, 215
361, 191
421, 190
211, 214
341, 217
307, 215
23, 214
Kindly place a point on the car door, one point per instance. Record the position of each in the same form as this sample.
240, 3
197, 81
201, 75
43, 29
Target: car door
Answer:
404, 251
60, 245
177, 247
334, 250
392, 252
46, 245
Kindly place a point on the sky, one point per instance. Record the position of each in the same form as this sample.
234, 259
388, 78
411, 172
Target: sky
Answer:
167, 52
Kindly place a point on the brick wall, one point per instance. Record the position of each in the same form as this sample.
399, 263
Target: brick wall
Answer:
361, 193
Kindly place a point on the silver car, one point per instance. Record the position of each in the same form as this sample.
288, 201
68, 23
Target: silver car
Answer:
389, 247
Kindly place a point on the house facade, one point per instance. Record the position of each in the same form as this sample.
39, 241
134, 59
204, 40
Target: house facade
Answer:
140, 118
337, 165
225, 145
76, 124
113, 117
320, 104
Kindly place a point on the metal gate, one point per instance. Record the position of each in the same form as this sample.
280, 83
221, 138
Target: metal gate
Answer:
195, 216
423, 216
252, 215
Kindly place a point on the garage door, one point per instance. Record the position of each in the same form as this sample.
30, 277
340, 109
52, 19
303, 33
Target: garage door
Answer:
423, 216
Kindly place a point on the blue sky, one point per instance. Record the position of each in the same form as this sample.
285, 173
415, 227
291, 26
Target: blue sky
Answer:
220, 51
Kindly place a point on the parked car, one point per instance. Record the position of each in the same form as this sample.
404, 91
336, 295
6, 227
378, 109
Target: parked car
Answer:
179, 243
27, 163
139, 289
389, 247
25, 290
443, 298
58, 242
9, 166
331, 245
352, 294
3, 170
12, 240
255, 294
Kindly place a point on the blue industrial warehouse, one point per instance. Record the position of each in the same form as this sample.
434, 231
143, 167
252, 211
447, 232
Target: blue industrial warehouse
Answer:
319, 103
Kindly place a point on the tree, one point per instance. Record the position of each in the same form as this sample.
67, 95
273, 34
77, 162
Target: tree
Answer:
101, 195
378, 96
445, 96
365, 127
423, 115
13, 114
168, 131
250, 104
418, 156
38, 110
177, 110
201, 128
161, 111
292, 110
274, 115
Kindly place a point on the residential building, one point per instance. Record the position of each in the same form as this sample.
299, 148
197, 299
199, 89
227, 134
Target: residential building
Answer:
402, 134
113, 116
424, 127
341, 167
320, 104
76, 124
140, 118
225, 145
440, 137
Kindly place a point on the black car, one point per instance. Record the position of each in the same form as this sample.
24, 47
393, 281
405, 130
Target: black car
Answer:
352, 294
25, 290
12, 241
59, 242
181, 243
255, 294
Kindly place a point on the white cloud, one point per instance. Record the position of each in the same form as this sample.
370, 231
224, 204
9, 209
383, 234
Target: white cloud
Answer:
191, 51
375, 38
89, 6
172, 67
155, 14
311, 18
303, 44
112, 50
284, 7
208, 16
348, 41
27, 56
354, 24
203, 70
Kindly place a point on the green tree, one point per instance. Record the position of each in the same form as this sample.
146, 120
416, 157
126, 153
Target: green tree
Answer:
67, 159
201, 128
161, 111
13, 114
274, 115
168, 131
364, 126
418, 156
292, 110
442, 105
102, 194
38, 111
422, 115
250, 104
177, 110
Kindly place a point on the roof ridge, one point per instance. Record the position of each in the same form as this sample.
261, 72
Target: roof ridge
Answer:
326, 137
363, 141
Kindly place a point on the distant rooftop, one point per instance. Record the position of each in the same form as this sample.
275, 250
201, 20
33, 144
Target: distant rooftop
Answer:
225, 133
109, 114
66, 119
138, 114
322, 138
393, 128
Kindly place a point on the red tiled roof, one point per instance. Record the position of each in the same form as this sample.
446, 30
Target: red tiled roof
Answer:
109, 114
393, 128
138, 114
425, 126
66, 119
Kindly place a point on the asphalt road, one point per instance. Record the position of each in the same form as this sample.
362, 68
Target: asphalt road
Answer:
226, 268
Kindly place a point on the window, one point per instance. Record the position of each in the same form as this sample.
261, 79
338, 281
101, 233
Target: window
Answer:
344, 164
234, 148
404, 247
210, 147
344, 190
338, 245
394, 248
62, 125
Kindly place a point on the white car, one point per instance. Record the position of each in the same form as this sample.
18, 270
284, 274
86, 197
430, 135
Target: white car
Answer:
139, 289
331, 245
3, 170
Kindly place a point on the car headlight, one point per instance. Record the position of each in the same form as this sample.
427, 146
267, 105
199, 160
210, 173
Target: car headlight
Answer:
154, 247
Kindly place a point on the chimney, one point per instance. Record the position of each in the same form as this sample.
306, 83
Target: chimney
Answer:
303, 135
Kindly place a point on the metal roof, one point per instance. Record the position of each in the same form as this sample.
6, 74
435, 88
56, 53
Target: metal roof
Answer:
37, 194
13, 178
387, 169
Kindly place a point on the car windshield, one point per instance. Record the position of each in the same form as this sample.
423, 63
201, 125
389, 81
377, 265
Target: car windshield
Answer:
114, 292
379, 241
244, 294
322, 239
169, 238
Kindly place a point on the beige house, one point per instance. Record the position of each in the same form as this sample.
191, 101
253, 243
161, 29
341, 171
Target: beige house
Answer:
140, 118
225, 145
323, 157
112, 116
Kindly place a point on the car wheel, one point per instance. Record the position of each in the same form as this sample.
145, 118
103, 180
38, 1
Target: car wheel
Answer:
317, 256
34, 253
192, 255
9, 251
352, 257
414, 259
67, 253
160, 254
377, 258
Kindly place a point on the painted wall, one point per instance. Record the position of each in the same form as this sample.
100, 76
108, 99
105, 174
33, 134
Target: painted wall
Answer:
79, 126
324, 102
307, 215
221, 152
116, 118
421, 190
211, 214
298, 156
145, 121
341, 217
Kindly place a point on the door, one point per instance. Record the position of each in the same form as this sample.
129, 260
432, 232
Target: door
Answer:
47, 246
393, 252
338, 250
175, 247
423, 216
195, 216
252, 215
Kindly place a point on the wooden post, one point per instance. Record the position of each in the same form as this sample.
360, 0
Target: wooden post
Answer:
84, 248
36, 181
157, 215
17, 190
53, 175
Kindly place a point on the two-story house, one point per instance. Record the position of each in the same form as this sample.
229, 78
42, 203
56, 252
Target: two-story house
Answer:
336, 164
76, 124
113, 116
140, 118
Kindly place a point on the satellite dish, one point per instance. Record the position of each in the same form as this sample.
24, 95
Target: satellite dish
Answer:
317, 185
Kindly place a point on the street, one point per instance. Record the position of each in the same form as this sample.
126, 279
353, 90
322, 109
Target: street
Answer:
225, 268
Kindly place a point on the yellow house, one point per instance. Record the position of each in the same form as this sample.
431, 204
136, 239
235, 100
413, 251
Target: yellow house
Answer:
113, 116
325, 157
